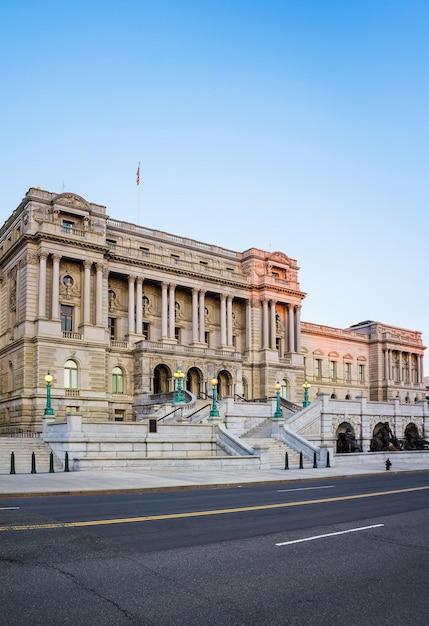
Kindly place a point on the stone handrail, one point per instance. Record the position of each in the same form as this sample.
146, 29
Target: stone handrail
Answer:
233, 445
299, 444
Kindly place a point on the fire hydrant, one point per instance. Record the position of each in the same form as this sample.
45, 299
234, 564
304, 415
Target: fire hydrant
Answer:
388, 464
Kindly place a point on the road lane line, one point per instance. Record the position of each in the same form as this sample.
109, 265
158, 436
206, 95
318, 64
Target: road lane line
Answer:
9, 508
261, 507
341, 532
304, 488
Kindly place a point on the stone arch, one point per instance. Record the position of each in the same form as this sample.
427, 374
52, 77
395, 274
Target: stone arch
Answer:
194, 380
161, 378
224, 386
346, 438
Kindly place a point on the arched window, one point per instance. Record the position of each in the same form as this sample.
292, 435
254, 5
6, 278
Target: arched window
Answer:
117, 380
71, 375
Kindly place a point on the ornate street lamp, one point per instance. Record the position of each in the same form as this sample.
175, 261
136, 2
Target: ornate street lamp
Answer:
179, 397
214, 412
48, 409
278, 412
306, 386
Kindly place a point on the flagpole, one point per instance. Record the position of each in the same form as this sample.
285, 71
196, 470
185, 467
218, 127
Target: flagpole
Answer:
138, 194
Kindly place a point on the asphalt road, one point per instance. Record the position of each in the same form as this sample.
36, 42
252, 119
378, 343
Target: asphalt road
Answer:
352, 551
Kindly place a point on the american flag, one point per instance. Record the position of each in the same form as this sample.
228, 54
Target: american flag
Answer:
138, 176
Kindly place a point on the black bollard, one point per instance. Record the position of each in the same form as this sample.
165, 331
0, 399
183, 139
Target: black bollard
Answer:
66, 462
328, 464
301, 464
314, 460
286, 461
51, 463
12, 463
33, 463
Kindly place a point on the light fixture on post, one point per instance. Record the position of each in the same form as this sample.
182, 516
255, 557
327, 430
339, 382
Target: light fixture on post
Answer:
48, 408
278, 412
213, 411
179, 397
306, 386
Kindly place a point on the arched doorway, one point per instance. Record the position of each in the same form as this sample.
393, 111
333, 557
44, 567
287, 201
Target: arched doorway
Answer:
193, 381
346, 439
161, 378
284, 392
224, 384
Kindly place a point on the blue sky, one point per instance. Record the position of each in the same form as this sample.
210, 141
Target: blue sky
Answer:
299, 126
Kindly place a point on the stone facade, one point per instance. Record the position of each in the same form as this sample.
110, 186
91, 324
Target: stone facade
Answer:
111, 309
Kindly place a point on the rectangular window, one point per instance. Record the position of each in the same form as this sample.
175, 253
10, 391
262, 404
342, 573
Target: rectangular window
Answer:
347, 371
111, 243
177, 334
207, 338
72, 409
144, 251
67, 317
333, 370
361, 373
146, 330
318, 368
67, 226
119, 415
112, 327
175, 258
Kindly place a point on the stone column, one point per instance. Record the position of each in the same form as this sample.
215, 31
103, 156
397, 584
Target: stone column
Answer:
164, 311
229, 320
172, 311
86, 292
248, 325
99, 294
265, 343
291, 326
131, 304
194, 315
298, 329
222, 319
202, 317
386, 364
42, 284
139, 305
55, 287
273, 325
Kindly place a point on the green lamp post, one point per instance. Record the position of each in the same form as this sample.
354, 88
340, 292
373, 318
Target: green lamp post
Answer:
306, 386
278, 412
213, 411
48, 409
179, 397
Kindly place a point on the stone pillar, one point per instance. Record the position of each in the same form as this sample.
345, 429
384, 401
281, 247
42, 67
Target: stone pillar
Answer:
229, 320
172, 311
139, 305
42, 284
164, 311
298, 329
385, 364
99, 294
131, 304
248, 325
265, 343
194, 315
202, 317
86, 292
55, 314
291, 326
222, 319
273, 325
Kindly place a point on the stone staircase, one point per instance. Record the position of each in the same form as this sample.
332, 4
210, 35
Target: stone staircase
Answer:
22, 447
261, 435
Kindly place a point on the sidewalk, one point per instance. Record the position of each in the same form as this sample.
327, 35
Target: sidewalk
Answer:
69, 483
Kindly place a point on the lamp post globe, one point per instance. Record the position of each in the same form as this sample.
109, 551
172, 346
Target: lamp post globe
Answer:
306, 386
48, 408
214, 411
278, 412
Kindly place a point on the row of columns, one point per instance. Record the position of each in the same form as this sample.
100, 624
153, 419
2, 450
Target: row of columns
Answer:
396, 370
168, 309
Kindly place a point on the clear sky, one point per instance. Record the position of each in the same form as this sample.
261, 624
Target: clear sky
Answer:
292, 125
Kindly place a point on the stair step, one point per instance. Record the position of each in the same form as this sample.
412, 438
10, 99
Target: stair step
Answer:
23, 448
